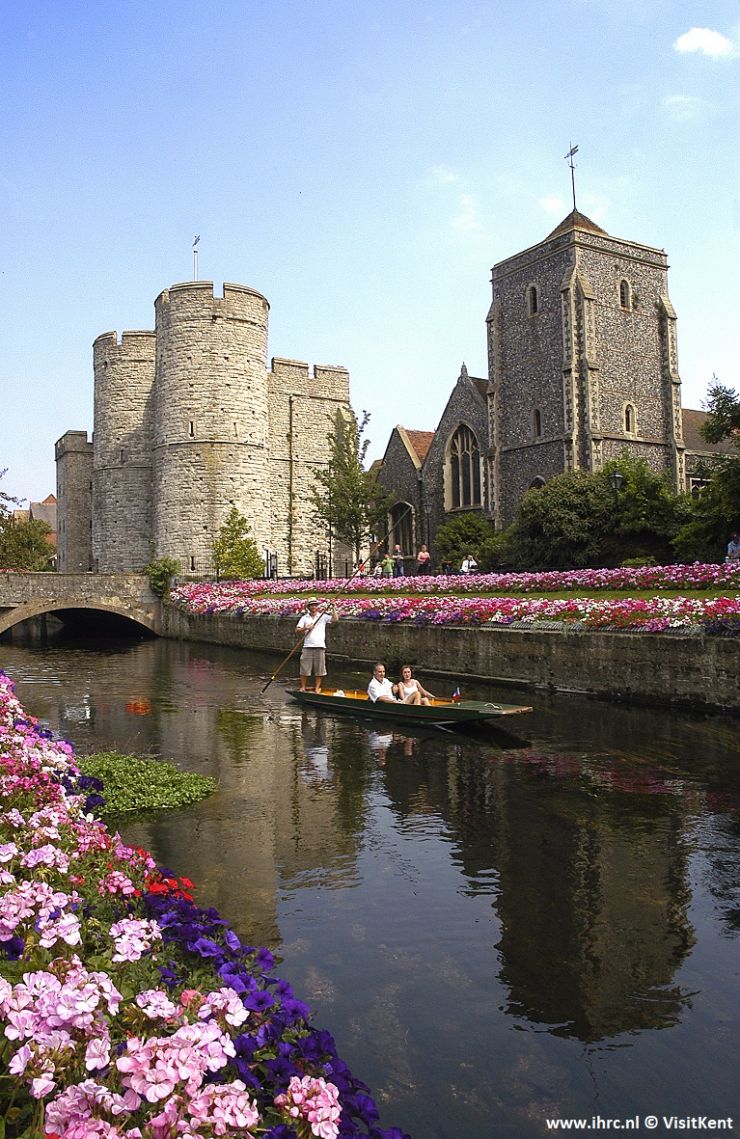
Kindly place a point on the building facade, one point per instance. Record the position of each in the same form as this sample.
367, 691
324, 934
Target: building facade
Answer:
582, 361
582, 366
189, 422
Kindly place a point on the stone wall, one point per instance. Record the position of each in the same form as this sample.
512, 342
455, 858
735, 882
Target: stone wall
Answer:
188, 423
690, 671
579, 329
122, 451
74, 462
302, 404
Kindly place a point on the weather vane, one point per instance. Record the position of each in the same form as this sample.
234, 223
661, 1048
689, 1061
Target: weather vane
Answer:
573, 150
196, 239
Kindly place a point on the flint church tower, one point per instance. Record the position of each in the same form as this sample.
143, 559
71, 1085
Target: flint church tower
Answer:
582, 362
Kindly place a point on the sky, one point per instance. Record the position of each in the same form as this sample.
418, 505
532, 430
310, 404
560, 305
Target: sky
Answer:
363, 164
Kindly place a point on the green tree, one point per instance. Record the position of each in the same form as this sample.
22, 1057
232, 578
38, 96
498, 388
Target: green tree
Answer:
714, 514
723, 414
647, 513
563, 524
24, 545
347, 498
6, 499
161, 572
235, 552
578, 520
463, 534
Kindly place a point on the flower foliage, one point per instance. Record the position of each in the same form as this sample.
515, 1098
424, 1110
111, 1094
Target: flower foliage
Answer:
476, 600
127, 1011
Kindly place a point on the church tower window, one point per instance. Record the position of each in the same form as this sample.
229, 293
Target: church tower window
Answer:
630, 419
464, 470
625, 294
537, 422
533, 301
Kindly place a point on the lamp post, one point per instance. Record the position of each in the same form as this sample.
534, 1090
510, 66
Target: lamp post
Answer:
616, 482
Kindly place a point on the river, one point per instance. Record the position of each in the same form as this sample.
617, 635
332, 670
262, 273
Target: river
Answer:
497, 930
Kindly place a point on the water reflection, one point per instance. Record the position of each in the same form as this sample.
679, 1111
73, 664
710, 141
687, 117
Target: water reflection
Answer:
496, 929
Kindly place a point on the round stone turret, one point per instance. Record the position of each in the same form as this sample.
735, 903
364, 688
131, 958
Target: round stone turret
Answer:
210, 418
122, 450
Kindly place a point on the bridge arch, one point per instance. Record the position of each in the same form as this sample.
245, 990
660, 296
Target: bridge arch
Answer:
38, 608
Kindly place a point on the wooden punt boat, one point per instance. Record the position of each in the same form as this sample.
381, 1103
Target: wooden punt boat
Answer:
441, 713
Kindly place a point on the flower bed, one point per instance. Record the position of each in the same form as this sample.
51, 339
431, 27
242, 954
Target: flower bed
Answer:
129, 1012
678, 577
654, 615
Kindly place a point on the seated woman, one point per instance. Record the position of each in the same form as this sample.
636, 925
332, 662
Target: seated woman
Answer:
410, 690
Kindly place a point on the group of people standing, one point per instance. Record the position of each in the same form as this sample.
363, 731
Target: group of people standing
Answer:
393, 564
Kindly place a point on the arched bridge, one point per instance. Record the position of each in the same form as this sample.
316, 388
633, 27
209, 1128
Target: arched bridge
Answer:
128, 595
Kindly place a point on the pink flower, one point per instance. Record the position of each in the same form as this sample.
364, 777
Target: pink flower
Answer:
314, 1100
97, 1054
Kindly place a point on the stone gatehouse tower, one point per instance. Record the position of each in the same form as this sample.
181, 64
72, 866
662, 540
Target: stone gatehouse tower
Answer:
188, 422
582, 362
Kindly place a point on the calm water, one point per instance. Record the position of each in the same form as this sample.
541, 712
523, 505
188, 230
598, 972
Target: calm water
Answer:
496, 930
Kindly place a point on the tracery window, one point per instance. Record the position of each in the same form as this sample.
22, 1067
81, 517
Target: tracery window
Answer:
464, 469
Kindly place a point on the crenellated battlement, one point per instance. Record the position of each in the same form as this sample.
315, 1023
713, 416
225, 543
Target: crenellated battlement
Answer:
189, 422
72, 442
197, 299
136, 346
295, 377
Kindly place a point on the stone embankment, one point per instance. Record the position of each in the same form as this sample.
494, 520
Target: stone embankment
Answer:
684, 668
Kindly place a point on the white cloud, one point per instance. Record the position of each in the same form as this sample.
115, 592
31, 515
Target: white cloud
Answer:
708, 42
466, 217
553, 205
683, 108
444, 175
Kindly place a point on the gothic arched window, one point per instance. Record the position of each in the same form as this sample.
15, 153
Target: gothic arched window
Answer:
625, 297
533, 300
630, 419
464, 469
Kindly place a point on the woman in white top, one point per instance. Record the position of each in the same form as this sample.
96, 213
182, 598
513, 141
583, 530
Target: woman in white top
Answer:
409, 690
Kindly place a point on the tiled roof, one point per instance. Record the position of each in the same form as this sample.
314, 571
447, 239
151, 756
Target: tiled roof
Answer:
695, 441
421, 441
576, 220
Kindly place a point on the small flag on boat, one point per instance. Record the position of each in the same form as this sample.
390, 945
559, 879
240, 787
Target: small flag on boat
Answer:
457, 694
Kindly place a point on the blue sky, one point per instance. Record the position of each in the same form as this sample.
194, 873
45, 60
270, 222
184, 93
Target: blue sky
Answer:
362, 164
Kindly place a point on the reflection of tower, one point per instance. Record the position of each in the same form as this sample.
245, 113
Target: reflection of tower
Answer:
593, 908
211, 418
122, 463
591, 896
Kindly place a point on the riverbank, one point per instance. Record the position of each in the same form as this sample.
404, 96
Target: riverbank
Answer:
128, 1010
686, 668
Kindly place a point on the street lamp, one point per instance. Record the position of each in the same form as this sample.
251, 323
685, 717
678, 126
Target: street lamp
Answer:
616, 482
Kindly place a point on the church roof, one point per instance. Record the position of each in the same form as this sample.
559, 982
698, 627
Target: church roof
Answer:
692, 421
421, 441
576, 220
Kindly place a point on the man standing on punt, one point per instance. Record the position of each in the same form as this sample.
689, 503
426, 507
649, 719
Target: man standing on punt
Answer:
312, 626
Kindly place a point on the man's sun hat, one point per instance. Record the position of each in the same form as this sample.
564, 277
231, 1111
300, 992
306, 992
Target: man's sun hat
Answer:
312, 601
